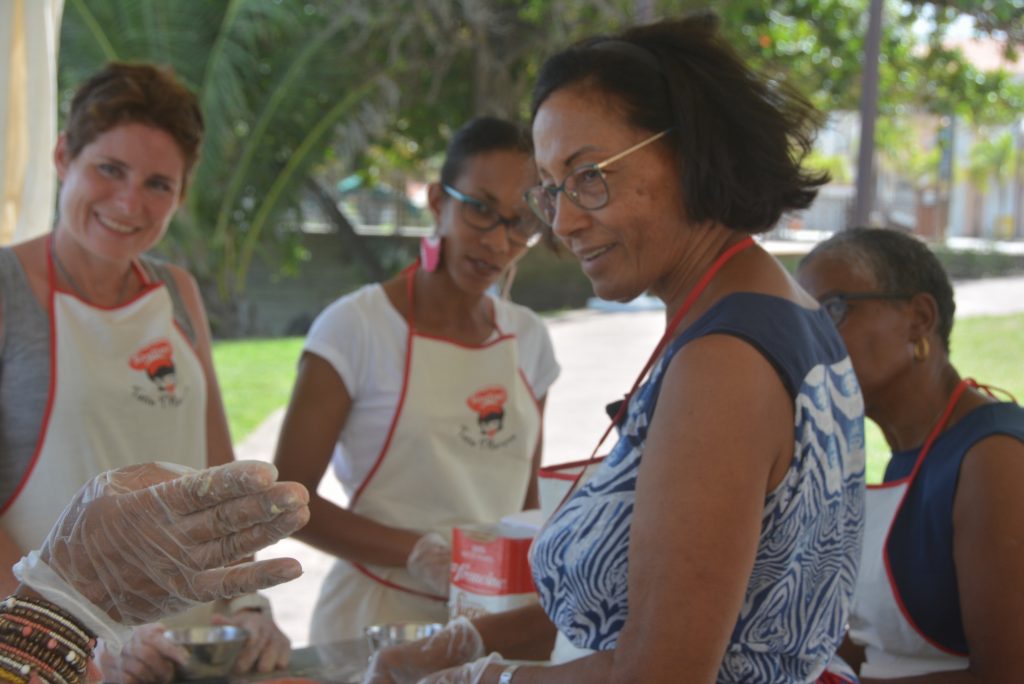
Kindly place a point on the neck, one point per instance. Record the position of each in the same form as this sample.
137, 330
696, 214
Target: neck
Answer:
443, 305
911, 410
705, 246
98, 281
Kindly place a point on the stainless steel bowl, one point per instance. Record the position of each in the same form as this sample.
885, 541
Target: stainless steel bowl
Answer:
381, 636
212, 650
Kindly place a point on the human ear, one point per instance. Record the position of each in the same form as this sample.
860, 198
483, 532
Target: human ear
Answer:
435, 200
924, 311
61, 156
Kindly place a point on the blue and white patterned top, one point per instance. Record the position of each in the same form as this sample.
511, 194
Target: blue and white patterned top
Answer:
799, 593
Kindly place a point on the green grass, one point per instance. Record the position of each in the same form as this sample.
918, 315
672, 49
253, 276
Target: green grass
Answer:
256, 377
989, 349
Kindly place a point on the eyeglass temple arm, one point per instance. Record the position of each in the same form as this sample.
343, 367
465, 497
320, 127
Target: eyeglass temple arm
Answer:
632, 149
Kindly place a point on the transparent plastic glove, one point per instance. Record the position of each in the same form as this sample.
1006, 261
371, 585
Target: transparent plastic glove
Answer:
430, 562
267, 648
470, 673
458, 643
143, 541
146, 658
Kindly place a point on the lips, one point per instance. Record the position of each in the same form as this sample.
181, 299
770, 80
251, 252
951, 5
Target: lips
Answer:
588, 255
116, 226
484, 269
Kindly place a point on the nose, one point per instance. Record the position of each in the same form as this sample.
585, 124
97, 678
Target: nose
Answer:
496, 239
129, 200
569, 218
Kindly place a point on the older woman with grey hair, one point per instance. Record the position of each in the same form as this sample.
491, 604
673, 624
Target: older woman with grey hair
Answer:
938, 596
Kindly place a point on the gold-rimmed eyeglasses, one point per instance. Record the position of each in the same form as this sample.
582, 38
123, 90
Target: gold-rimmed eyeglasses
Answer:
585, 186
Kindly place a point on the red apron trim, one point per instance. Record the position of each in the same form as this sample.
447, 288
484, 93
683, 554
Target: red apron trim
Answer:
691, 297
51, 279
485, 345
147, 285
954, 398
395, 585
410, 272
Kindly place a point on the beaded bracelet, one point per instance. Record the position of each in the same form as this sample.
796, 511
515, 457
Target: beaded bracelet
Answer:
38, 637
41, 657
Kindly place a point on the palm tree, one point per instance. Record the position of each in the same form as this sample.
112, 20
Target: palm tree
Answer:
990, 160
280, 84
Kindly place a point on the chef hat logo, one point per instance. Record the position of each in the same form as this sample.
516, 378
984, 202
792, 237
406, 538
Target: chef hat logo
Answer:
488, 401
489, 404
157, 360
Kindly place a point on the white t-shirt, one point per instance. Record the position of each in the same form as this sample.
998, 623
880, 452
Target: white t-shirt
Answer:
363, 337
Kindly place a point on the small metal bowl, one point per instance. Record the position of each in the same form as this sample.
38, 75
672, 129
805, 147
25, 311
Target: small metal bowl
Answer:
382, 636
212, 650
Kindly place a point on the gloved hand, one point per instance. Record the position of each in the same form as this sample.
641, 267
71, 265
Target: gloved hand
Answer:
430, 562
146, 658
266, 649
470, 673
148, 540
456, 644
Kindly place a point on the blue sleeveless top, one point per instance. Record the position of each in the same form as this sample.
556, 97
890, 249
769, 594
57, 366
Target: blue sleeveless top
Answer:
799, 593
920, 546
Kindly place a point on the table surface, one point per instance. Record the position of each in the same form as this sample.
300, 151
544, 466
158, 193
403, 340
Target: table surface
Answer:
341, 662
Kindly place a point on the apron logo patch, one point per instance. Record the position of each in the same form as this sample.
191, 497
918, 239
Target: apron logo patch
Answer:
156, 360
489, 405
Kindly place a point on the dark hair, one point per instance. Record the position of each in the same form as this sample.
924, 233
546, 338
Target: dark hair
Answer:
740, 138
898, 262
162, 371
135, 93
479, 135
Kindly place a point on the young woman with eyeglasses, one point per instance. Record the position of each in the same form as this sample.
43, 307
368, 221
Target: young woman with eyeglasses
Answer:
426, 394
718, 540
938, 595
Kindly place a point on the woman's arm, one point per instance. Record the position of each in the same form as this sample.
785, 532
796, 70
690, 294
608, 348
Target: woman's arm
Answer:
988, 549
720, 440
317, 412
218, 436
532, 494
9, 555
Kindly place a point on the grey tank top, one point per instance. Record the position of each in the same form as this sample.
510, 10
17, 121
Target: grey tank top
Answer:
25, 364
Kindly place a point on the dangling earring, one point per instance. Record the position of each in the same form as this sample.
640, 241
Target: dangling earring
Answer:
921, 350
430, 253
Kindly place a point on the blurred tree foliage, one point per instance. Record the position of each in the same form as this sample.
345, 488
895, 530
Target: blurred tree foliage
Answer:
294, 90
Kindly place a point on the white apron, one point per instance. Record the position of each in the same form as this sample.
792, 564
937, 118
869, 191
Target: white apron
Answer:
459, 451
126, 387
893, 645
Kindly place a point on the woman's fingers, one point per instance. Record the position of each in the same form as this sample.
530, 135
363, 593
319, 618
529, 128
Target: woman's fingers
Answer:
244, 578
240, 514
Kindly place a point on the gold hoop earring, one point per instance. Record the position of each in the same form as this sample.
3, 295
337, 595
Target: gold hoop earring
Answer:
921, 350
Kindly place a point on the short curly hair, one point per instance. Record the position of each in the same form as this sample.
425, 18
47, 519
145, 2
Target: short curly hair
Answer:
898, 262
135, 93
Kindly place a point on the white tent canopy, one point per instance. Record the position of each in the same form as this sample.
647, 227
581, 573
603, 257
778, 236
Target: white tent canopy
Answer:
29, 38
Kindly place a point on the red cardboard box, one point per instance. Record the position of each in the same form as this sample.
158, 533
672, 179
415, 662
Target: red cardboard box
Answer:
490, 569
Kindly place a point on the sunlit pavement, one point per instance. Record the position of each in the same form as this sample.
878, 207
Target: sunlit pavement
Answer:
600, 353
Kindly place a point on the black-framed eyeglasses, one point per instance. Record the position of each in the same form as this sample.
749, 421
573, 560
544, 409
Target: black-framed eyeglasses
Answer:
837, 304
523, 230
585, 186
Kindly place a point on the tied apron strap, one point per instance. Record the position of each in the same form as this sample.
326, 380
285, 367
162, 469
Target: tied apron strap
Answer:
410, 278
670, 330
940, 426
